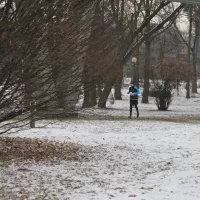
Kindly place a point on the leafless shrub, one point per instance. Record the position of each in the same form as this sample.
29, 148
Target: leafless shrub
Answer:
166, 74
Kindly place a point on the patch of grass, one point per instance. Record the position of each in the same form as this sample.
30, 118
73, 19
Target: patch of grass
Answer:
42, 194
35, 150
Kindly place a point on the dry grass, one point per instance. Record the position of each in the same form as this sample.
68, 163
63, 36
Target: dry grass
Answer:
35, 150
24, 151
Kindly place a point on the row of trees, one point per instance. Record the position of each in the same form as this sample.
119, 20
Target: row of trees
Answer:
54, 51
172, 54
174, 57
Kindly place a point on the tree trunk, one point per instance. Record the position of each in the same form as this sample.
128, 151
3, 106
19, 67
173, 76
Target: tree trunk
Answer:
89, 89
118, 95
118, 86
177, 86
189, 49
195, 52
105, 93
93, 96
187, 89
90, 97
59, 87
90, 71
60, 97
32, 119
145, 96
138, 64
194, 80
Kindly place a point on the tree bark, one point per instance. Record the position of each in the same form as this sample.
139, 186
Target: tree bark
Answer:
145, 97
195, 52
118, 94
89, 71
89, 90
60, 97
90, 98
194, 80
118, 86
189, 49
105, 93
138, 65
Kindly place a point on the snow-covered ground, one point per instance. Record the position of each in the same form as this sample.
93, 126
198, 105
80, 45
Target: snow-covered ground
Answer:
127, 159
179, 108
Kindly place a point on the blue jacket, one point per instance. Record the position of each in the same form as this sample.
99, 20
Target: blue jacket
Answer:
135, 92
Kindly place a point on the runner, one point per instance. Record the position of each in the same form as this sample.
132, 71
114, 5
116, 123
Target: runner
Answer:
133, 91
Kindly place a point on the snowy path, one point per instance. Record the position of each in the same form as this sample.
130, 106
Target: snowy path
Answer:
152, 160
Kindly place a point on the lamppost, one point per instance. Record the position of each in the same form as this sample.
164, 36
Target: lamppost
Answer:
134, 61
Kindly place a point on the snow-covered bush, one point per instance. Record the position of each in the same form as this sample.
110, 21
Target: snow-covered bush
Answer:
163, 92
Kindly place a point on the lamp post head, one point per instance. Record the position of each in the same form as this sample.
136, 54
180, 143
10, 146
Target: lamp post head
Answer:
134, 59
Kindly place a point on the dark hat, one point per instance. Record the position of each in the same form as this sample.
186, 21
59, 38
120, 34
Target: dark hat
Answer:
132, 81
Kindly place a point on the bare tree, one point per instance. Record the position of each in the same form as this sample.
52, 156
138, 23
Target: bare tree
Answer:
129, 44
147, 54
42, 57
191, 41
52, 52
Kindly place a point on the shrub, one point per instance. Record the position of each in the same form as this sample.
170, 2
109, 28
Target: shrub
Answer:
163, 92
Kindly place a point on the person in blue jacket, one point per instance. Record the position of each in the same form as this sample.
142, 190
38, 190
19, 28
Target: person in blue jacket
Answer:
134, 92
